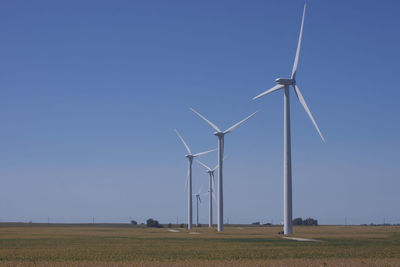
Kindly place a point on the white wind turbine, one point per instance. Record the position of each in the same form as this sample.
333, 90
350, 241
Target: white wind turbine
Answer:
190, 157
198, 199
221, 134
287, 165
210, 190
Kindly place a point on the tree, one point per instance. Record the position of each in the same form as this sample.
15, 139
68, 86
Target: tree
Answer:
134, 222
153, 223
298, 221
310, 221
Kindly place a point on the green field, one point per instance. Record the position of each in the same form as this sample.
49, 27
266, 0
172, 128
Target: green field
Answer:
124, 245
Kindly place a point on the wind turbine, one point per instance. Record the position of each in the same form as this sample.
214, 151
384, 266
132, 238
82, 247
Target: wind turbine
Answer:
198, 199
190, 158
221, 134
210, 190
287, 165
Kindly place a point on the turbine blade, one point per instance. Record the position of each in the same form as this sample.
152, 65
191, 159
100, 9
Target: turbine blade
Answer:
183, 141
215, 127
204, 165
203, 153
199, 198
273, 89
296, 59
186, 182
216, 167
239, 123
304, 104
201, 188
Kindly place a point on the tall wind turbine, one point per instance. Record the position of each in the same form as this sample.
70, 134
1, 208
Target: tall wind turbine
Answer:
221, 134
210, 190
190, 156
287, 165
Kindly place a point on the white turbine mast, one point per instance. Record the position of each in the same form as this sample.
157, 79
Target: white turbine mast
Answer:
190, 156
221, 134
287, 165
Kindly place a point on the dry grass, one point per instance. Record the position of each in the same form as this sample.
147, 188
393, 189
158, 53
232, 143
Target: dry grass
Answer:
100, 245
226, 263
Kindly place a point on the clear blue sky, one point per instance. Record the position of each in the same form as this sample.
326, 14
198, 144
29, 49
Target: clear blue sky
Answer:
90, 92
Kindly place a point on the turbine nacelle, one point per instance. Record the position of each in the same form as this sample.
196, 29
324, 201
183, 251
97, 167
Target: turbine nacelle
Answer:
219, 134
284, 81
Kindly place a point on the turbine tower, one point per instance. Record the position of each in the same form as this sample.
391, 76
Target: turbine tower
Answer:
210, 190
287, 164
190, 158
221, 134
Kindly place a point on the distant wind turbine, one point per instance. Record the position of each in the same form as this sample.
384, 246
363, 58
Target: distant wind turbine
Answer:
287, 165
221, 134
190, 158
210, 190
198, 199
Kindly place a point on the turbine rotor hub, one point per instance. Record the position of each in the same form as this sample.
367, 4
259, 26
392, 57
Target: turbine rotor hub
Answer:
284, 81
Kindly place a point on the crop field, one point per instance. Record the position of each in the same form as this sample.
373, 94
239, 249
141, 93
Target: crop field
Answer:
125, 245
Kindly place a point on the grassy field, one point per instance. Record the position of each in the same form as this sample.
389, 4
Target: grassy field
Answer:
123, 245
